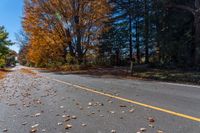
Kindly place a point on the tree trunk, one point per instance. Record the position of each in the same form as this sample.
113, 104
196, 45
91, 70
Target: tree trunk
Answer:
78, 46
197, 38
78, 31
137, 40
69, 43
157, 29
130, 35
196, 14
146, 31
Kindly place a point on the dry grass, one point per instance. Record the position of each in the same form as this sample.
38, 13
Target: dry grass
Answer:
169, 75
190, 77
2, 73
28, 71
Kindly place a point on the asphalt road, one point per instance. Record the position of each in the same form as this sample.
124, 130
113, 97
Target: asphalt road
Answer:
90, 104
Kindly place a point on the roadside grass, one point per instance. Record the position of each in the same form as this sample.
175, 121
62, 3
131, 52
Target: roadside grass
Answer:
3, 72
178, 76
27, 71
67, 68
166, 75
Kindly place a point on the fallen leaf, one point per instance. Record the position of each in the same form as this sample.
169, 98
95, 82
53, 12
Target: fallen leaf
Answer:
64, 116
59, 123
159, 131
68, 126
101, 115
43, 130
110, 101
33, 130
113, 131
150, 125
143, 129
74, 117
5, 130
37, 114
151, 119
112, 112
83, 125
34, 126
89, 104
24, 123
131, 110
67, 119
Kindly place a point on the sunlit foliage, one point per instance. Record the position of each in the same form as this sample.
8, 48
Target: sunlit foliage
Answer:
58, 27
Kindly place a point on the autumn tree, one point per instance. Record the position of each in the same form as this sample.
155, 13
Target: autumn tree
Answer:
59, 27
22, 41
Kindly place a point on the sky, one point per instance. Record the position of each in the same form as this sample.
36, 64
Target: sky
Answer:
11, 12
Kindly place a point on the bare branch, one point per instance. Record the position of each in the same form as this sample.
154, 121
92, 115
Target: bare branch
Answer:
187, 8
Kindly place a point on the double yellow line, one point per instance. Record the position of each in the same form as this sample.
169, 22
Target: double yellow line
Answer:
129, 101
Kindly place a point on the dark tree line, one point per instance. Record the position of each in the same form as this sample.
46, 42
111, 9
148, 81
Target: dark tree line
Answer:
161, 32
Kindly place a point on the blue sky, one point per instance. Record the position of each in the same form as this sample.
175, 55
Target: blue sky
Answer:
11, 12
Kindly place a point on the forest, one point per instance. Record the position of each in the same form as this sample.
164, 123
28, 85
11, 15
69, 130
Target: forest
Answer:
159, 33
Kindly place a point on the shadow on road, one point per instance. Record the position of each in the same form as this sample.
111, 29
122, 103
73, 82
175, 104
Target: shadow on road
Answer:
116, 73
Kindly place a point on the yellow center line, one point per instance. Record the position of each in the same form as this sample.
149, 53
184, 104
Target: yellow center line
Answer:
130, 101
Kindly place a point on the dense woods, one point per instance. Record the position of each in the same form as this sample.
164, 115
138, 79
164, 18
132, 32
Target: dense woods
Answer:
161, 33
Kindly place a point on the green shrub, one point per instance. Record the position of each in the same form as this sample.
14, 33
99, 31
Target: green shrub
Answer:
2, 62
68, 67
71, 59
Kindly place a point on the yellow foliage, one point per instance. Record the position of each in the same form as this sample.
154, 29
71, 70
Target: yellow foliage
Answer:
52, 27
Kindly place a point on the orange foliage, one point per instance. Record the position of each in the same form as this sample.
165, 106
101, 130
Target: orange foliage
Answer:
56, 27
2, 74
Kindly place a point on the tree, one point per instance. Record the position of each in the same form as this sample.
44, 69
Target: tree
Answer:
113, 44
194, 8
146, 30
4, 43
72, 26
23, 41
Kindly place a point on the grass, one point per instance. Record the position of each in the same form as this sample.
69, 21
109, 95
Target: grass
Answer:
178, 76
3, 73
27, 71
167, 75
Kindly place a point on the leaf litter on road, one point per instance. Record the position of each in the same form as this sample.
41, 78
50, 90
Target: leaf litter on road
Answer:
37, 114
68, 126
143, 129
34, 126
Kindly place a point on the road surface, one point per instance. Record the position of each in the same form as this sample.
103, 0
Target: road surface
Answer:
68, 103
